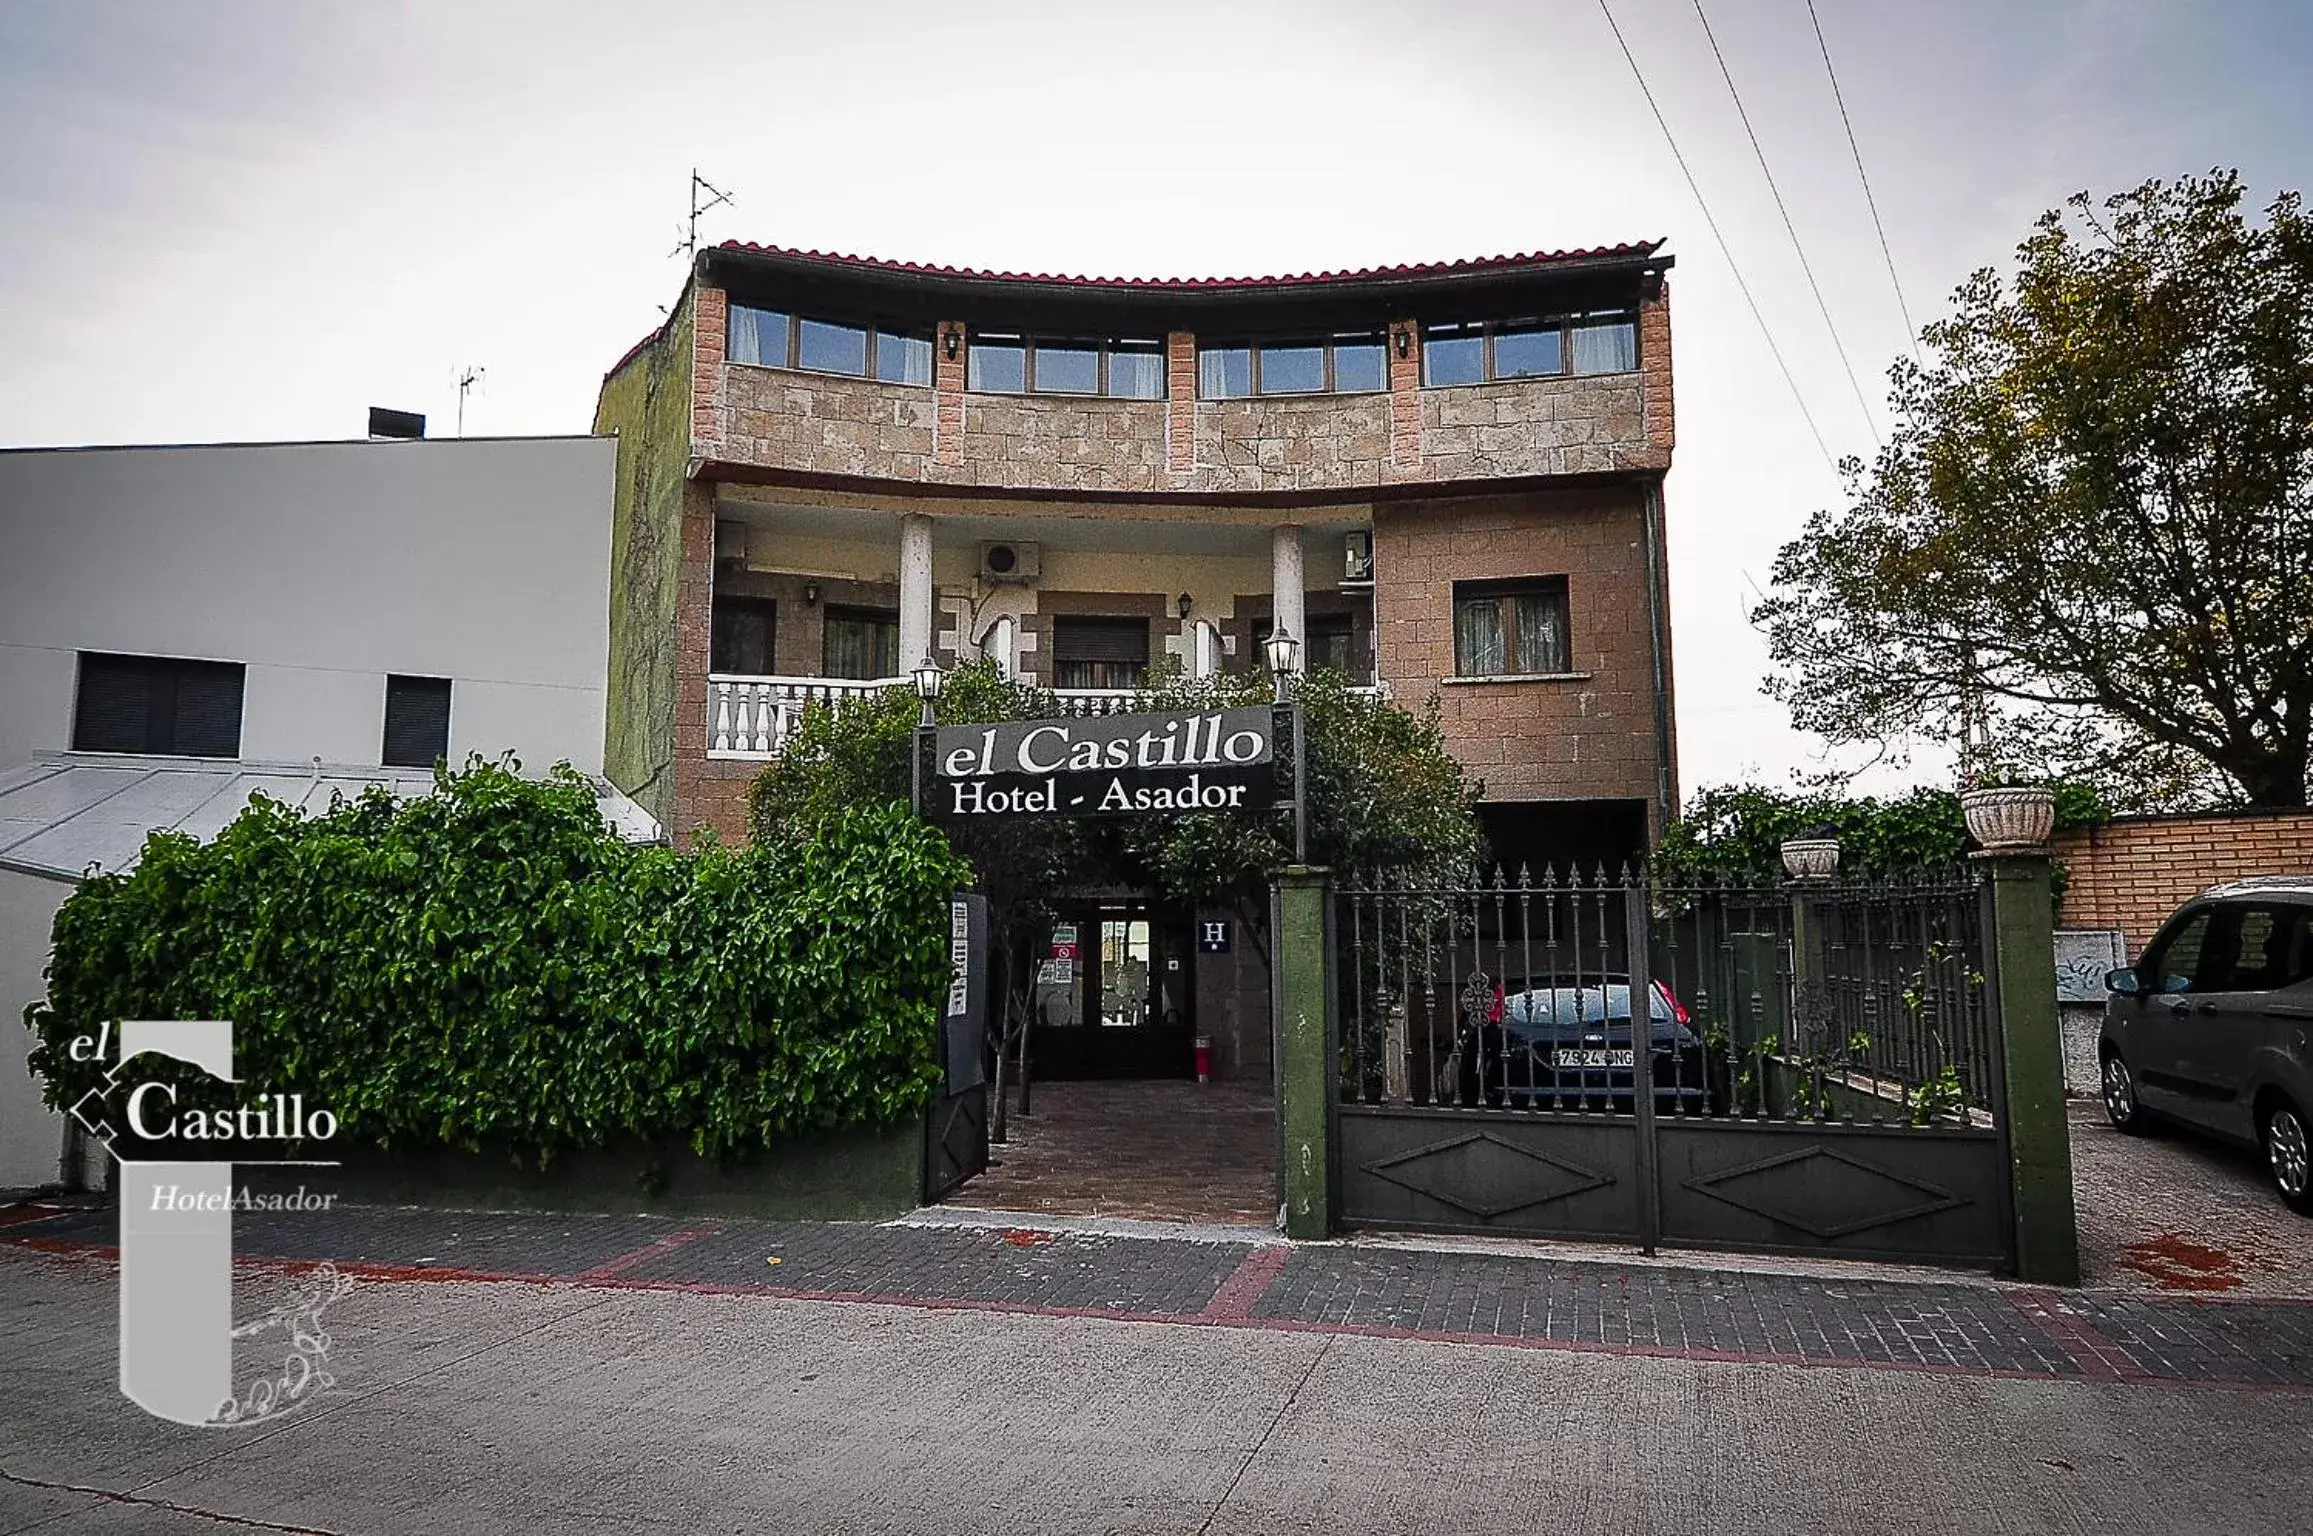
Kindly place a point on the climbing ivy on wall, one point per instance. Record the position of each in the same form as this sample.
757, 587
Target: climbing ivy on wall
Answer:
490, 967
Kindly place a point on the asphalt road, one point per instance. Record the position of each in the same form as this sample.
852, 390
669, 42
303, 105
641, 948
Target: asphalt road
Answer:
470, 1406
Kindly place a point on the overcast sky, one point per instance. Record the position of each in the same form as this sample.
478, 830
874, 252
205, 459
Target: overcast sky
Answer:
234, 222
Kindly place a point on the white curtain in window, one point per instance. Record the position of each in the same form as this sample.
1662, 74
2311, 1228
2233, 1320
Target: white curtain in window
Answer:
1213, 375
1541, 638
1611, 348
1136, 375
1478, 649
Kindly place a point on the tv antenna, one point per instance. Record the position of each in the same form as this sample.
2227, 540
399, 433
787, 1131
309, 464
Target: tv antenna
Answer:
468, 377
690, 242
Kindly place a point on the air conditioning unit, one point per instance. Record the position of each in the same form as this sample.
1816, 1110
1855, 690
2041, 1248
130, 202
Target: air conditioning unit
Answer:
730, 542
1358, 553
1018, 563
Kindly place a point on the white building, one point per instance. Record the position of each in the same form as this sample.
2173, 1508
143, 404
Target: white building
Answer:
181, 626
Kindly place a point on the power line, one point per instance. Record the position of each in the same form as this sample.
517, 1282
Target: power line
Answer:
1788, 227
1910, 331
1700, 202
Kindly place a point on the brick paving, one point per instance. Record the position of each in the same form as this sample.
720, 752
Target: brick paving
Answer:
1516, 1299
1163, 1151
1713, 1312
2197, 1341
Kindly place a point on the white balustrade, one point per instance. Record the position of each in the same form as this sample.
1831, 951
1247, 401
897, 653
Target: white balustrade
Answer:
1084, 703
754, 716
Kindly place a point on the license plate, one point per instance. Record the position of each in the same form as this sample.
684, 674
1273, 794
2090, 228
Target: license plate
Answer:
1593, 1059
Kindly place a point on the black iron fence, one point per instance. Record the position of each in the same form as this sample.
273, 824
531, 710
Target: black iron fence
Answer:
1824, 1002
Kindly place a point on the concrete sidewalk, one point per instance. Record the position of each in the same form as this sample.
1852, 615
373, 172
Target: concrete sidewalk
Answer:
619, 1403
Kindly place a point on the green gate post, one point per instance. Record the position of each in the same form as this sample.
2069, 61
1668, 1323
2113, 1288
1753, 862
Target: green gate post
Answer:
2022, 952
1305, 1076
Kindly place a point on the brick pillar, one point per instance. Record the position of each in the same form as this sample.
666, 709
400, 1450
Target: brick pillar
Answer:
2021, 950
1300, 1002
1405, 397
694, 608
1180, 402
948, 397
710, 334
1654, 366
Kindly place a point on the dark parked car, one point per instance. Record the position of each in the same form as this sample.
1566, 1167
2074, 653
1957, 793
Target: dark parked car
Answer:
1568, 1045
2212, 1028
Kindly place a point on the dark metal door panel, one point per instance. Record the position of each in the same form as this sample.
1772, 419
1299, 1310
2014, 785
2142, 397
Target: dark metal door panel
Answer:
955, 1141
1855, 1190
1533, 1174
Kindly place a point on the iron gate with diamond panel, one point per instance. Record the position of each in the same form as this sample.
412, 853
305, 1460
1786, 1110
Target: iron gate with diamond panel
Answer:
1822, 1068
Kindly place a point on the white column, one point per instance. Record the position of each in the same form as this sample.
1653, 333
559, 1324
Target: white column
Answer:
1001, 646
915, 583
1286, 585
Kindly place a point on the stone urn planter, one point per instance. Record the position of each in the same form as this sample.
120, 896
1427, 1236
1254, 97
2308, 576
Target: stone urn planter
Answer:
2009, 820
1811, 858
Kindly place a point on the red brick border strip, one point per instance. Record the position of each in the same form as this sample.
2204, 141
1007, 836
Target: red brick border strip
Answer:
612, 1268
2097, 1356
1242, 1291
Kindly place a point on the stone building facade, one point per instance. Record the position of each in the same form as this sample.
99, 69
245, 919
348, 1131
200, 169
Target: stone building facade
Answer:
1444, 480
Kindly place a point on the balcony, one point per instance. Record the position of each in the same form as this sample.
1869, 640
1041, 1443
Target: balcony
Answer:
752, 717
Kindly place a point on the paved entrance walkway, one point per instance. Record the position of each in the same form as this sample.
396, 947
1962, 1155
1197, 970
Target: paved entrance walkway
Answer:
1162, 1151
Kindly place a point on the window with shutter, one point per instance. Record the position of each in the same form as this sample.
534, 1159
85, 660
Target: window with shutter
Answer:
1099, 653
158, 704
417, 722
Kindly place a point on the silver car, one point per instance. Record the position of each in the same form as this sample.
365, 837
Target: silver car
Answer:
2212, 1028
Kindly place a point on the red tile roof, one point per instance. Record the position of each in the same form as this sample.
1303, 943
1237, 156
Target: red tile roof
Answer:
1475, 264
1467, 266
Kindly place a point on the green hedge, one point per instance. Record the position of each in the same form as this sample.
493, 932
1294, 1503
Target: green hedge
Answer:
1736, 832
489, 966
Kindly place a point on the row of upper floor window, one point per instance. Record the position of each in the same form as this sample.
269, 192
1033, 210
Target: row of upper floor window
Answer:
1133, 368
175, 707
1512, 628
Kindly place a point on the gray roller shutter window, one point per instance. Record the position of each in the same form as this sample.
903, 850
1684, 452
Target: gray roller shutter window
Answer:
1099, 653
163, 705
417, 721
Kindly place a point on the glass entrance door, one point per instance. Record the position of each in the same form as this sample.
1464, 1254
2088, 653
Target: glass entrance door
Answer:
1126, 977
1115, 996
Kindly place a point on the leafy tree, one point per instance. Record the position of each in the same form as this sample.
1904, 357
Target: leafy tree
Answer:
1385, 795
2092, 530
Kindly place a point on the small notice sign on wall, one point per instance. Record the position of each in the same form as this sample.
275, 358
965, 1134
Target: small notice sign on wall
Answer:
1213, 937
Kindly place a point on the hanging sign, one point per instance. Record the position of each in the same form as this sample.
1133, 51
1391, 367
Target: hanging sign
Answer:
1115, 765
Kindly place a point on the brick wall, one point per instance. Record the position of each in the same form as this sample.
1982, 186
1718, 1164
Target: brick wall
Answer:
2132, 873
944, 435
1589, 735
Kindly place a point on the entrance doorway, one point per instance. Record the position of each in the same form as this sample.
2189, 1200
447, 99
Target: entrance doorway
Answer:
1115, 996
